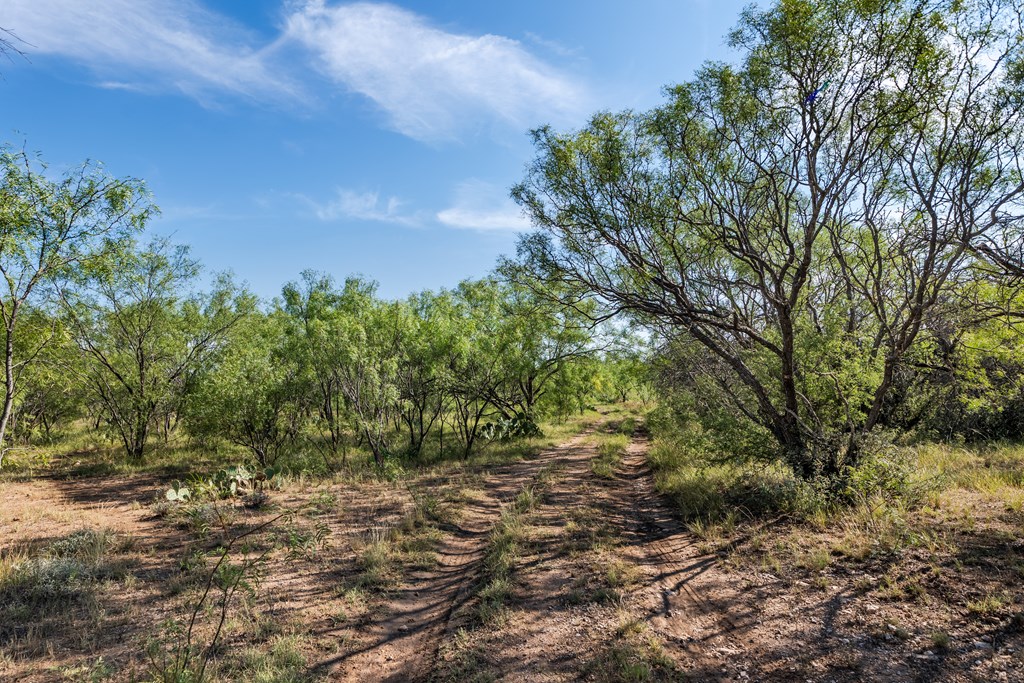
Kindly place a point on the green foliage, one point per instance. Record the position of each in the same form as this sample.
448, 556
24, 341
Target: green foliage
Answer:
887, 474
178, 493
143, 337
54, 229
792, 255
238, 480
516, 427
251, 393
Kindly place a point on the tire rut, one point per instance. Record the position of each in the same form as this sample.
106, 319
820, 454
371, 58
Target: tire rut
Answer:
540, 643
401, 645
687, 603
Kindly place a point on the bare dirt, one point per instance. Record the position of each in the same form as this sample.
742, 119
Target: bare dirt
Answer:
605, 591
608, 585
400, 642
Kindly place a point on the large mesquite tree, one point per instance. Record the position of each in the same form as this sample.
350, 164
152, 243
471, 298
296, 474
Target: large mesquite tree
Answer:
50, 229
796, 218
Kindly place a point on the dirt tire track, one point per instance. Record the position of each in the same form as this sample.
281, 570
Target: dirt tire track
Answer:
552, 637
401, 645
677, 605
543, 646
670, 548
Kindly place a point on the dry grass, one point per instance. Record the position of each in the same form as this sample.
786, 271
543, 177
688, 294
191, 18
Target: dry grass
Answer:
936, 555
634, 654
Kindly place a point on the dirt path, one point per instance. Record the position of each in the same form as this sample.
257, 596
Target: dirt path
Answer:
400, 645
612, 588
702, 619
540, 641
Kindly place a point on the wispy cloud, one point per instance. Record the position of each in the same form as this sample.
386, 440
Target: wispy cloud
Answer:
431, 83
365, 206
485, 207
152, 45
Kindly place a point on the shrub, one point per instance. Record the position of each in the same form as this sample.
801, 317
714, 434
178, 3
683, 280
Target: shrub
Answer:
509, 429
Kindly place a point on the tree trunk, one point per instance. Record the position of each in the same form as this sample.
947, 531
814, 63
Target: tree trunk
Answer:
8, 388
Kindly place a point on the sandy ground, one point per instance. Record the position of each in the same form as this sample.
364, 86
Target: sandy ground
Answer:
608, 586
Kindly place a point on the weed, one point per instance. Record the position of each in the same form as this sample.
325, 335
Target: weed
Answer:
377, 563
989, 604
306, 542
815, 560
324, 501
283, 662
609, 455
634, 656
177, 657
619, 574
95, 672
461, 662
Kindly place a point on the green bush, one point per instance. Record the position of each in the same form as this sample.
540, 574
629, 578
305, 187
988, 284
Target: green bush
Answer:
517, 427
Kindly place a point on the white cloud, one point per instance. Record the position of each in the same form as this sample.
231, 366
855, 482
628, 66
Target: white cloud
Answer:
151, 45
365, 206
431, 83
484, 207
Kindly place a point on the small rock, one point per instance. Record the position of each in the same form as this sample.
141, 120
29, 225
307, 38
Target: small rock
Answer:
871, 608
979, 645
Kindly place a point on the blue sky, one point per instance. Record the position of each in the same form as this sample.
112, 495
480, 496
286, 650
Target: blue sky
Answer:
371, 138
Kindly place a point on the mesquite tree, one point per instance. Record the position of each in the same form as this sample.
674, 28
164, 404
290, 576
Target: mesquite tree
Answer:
49, 229
144, 334
797, 217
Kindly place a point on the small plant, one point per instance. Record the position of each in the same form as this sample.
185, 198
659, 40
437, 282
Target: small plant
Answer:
609, 455
254, 500
307, 542
178, 493
177, 658
989, 604
88, 673
815, 560
324, 501
238, 480
517, 427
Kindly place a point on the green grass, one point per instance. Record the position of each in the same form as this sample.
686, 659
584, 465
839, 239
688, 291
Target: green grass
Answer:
990, 603
281, 662
708, 490
610, 449
504, 545
48, 590
996, 468
633, 655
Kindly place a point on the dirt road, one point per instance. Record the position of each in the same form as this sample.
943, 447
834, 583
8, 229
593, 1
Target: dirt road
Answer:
562, 619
